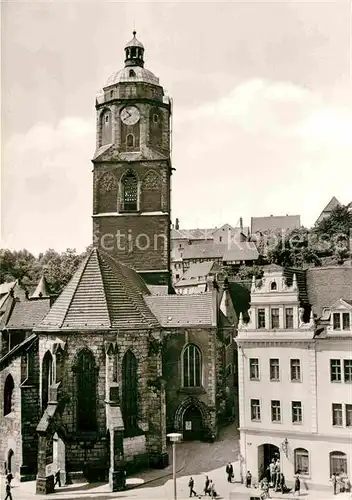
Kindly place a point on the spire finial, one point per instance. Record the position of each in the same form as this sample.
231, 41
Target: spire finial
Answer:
134, 32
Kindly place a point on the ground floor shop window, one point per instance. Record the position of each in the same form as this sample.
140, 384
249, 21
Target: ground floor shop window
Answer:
301, 461
338, 463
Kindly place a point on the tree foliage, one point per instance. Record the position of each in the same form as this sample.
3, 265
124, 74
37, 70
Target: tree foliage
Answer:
329, 239
57, 268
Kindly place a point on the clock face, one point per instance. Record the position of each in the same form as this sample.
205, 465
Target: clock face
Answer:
130, 115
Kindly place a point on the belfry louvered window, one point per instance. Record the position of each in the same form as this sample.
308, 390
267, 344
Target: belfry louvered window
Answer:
192, 366
86, 391
129, 391
130, 192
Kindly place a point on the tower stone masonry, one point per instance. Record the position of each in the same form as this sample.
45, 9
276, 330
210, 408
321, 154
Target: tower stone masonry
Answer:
132, 169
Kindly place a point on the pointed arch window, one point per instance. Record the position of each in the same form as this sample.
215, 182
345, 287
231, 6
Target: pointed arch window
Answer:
129, 391
47, 378
86, 374
8, 394
192, 366
130, 192
132, 73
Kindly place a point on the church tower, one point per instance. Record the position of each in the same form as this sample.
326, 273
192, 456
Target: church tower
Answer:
132, 169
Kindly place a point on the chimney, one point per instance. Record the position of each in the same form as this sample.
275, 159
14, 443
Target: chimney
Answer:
241, 224
177, 225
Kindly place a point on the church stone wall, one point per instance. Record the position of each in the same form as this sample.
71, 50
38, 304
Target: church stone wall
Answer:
176, 394
10, 425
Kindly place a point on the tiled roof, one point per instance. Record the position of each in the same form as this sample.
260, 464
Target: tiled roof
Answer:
301, 278
200, 269
176, 234
275, 222
42, 289
183, 310
328, 284
245, 250
101, 294
204, 250
333, 203
27, 314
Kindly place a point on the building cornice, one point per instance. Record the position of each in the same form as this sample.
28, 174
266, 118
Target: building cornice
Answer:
294, 434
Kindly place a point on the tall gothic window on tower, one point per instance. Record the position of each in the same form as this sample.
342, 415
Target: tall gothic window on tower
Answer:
8, 394
47, 378
86, 391
106, 127
129, 391
130, 192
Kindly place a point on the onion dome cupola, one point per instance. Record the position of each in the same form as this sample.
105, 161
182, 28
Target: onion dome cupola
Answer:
134, 52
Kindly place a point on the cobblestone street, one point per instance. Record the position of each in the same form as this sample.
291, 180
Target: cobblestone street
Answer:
194, 459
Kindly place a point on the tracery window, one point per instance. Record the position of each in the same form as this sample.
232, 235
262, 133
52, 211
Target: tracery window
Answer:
192, 366
47, 377
8, 394
86, 391
129, 391
130, 192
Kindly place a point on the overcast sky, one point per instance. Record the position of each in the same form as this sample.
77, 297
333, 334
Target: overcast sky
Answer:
262, 109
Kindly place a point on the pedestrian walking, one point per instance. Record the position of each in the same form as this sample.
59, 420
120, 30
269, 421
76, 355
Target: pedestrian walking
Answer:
206, 486
229, 472
9, 477
277, 471
190, 486
57, 478
248, 479
213, 493
334, 482
8, 491
297, 486
265, 489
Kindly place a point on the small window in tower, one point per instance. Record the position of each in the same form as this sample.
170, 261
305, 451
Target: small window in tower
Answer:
107, 118
130, 140
133, 52
132, 73
111, 93
155, 118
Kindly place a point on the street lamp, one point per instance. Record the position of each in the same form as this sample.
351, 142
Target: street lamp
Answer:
174, 437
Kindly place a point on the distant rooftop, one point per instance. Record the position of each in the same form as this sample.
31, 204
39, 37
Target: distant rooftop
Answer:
275, 223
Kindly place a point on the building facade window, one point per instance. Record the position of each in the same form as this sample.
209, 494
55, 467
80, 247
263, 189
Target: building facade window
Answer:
274, 369
289, 317
346, 323
261, 318
192, 366
130, 192
86, 391
336, 321
130, 140
348, 412
301, 458
129, 405
273, 286
335, 370
275, 318
8, 394
295, 366
337, 419
347, 368
275, 411
255, 410
296, 412
254, 369
338, 462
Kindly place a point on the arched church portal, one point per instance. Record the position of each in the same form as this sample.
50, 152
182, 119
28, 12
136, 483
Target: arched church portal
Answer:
190, 419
